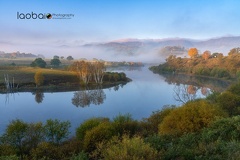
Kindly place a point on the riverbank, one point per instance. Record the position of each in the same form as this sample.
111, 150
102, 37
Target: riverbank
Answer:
221, 67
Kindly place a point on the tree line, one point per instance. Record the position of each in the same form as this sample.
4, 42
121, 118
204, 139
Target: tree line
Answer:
206, 64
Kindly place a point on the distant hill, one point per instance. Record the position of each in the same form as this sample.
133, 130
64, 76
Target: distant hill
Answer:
17, 55
133, 47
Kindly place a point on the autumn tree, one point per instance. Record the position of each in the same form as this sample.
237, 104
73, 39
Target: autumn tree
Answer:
193, 52
83, 69
39, 78
88, 71
206, 55
191, 117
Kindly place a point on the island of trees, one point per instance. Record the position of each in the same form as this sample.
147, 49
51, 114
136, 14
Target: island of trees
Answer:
206, 64
56, 73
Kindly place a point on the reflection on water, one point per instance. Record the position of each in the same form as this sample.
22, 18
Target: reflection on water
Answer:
214, 84
39, 95
86, 97
184, 93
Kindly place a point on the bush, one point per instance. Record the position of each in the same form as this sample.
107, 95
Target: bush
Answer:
102, 132
229, 102
191, 117
235, 89
226, 129
13, 157
152, 122
88, 125
129, 148
124, 124
81, 156
46, 150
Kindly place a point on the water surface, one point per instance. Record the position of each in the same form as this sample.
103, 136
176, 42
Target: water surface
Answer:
147, 92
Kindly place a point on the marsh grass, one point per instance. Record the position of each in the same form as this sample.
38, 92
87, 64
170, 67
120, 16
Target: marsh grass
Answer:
26, 74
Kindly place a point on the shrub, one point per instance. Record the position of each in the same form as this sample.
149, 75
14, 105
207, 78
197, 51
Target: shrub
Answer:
46, 150
129, 148
235, 88
191, 117
226, 129
124, 124
152, 122
81, 156
39, 79
229, 102
100, 133
88, 125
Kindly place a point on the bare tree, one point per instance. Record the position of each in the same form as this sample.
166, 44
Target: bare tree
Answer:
98, 71
88, 71
83, 69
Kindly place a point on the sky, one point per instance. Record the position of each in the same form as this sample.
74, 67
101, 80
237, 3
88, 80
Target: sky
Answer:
108, 20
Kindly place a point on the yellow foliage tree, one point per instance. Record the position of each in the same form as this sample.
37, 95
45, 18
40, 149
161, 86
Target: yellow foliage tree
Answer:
39, 78
191, 117
193, 52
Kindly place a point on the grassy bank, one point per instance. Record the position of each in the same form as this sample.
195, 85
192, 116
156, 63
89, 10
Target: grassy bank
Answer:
23, 78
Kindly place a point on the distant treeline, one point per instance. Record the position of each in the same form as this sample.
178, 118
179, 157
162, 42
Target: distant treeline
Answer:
207, 64
18, 55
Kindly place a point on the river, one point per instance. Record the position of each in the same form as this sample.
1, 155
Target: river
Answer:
147, 92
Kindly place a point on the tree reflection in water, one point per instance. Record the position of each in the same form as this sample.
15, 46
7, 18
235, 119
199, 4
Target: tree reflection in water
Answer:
184, 93
39, 95
86, 97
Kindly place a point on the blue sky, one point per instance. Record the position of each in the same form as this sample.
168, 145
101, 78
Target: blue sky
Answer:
106, 20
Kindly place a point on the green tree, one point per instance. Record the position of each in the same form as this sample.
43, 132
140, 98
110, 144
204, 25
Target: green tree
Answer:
69, 58
55, 62
88, 125
38, 62
39, 78
56, 131
15, 135
55, 57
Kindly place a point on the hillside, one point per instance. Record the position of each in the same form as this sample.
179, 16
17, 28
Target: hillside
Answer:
134, 47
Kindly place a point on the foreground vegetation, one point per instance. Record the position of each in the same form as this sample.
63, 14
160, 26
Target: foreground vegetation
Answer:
207, 64
200, 129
